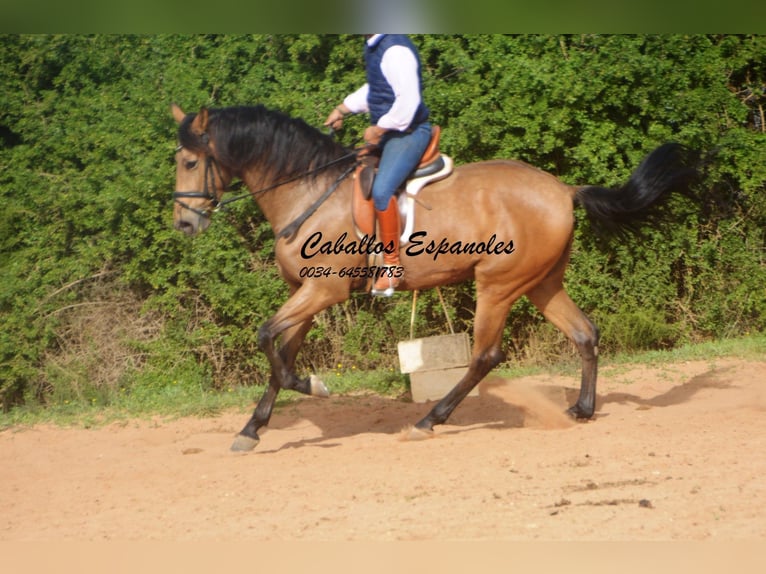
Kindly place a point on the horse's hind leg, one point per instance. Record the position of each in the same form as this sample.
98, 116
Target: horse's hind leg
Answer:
491, 312
553, 302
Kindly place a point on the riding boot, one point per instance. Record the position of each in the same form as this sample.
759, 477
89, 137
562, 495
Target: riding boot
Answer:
391, 274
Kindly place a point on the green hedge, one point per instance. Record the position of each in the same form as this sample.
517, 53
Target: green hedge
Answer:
94, 276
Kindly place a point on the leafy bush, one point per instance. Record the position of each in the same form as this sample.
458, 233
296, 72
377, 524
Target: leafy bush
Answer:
86, 142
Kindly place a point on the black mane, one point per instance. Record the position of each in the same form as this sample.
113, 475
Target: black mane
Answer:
256, 137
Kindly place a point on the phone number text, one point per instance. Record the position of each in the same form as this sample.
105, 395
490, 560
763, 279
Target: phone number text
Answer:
372, 272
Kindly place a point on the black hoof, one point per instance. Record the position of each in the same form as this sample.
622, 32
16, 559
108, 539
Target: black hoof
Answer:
425, 426
578, 413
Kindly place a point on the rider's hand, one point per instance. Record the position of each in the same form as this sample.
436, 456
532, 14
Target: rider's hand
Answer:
335, 119
373, 134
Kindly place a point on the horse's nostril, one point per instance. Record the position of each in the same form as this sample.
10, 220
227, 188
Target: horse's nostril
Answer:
185, 227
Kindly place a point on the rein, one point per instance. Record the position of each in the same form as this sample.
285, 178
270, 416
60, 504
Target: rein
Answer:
292, 228
211, 163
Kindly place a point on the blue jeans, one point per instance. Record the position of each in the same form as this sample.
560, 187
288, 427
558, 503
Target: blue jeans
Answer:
401, 155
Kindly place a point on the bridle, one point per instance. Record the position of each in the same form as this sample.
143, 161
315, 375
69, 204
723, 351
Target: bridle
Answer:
211, 169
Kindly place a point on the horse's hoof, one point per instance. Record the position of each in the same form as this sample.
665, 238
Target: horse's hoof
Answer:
244, 443
318, 388
578, 413
415, 433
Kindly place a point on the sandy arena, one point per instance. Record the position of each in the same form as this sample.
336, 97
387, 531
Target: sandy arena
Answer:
675, 452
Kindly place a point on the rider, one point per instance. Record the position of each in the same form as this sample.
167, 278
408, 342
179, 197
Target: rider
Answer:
398, 126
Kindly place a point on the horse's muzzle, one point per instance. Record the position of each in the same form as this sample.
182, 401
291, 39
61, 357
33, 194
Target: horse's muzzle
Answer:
185, 226
190, 222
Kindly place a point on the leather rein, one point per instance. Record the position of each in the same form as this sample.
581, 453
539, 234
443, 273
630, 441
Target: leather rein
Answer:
212, 168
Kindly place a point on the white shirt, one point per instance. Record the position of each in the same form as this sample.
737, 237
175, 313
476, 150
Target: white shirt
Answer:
400, 68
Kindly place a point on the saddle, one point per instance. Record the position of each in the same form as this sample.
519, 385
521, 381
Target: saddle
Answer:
433, 166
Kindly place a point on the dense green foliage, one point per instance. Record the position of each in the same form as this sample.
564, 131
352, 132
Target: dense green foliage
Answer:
100, 296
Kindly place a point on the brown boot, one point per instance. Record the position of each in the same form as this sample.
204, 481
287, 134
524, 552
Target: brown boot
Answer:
391, 274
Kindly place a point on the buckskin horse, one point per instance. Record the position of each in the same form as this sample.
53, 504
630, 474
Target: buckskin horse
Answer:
504, 224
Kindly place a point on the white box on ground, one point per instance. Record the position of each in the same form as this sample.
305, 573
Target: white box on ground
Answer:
435, 364
429, 353
433, 385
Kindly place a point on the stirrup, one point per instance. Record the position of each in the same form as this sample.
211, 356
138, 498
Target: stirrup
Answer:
390, 289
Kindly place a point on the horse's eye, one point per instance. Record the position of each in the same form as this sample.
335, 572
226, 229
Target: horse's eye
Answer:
190, 164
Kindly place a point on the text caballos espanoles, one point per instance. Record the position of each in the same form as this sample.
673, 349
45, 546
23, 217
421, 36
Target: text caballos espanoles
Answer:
417, 245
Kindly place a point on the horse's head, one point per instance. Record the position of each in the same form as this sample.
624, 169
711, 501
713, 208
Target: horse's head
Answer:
200, 180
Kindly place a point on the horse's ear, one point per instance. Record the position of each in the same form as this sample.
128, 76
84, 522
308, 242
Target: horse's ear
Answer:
199, 125
178, 113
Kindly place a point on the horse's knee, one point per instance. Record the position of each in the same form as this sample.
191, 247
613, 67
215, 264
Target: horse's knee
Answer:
586, 340
265, 337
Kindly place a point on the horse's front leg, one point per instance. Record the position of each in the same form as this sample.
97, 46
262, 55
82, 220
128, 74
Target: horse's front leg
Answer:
292, 339
248, 438
292, 321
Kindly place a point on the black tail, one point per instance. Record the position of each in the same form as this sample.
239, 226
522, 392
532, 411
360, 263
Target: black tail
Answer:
644, 199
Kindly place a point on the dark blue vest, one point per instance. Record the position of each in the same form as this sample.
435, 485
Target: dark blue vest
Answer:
381, 96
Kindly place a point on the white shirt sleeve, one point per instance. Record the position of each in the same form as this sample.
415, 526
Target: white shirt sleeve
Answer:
400, 68
357, 102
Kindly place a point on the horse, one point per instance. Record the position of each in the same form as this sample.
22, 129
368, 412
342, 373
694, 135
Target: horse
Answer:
504, 224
